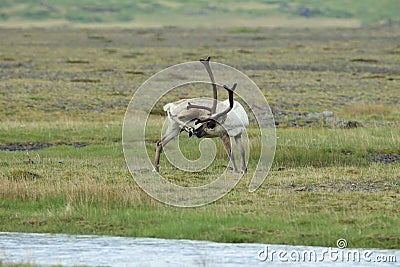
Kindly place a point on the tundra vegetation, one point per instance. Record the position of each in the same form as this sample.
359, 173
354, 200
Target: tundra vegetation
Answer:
334, 94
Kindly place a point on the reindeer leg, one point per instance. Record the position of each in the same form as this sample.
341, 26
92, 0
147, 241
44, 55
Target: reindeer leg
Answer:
160, 144
227, 144
239, 143
158, 153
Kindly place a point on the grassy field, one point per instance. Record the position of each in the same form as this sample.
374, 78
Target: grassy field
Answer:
64, 92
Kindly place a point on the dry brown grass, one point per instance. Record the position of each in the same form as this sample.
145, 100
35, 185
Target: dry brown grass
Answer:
82, 191
370, 110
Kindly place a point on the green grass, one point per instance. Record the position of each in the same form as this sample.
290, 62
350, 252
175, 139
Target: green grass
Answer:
2, 264
61, 132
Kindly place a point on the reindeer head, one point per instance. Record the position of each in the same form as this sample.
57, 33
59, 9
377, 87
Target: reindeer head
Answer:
209, 129
211, 125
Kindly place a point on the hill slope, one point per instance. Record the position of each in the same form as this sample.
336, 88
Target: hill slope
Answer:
199, 13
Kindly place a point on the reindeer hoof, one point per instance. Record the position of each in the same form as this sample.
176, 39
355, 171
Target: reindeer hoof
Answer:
233, 170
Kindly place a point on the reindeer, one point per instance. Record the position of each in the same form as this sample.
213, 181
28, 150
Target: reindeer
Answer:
185, 115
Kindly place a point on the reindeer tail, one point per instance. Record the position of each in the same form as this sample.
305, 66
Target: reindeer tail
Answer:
168, 107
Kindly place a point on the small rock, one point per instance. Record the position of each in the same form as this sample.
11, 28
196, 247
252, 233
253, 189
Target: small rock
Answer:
313, 116
348, 124
327, 114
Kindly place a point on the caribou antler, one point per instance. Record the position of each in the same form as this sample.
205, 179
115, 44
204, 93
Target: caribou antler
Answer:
223, 113
207, 59
206, 63
189, 106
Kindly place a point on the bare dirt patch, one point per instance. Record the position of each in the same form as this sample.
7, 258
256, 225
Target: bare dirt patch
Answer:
386, 158
32, 146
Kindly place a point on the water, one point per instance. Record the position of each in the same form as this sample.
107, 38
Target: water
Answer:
72, 250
